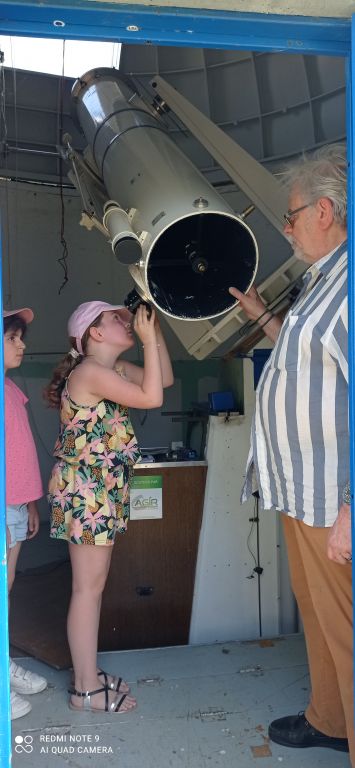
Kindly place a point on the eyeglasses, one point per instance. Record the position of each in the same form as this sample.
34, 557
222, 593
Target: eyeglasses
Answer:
289, 216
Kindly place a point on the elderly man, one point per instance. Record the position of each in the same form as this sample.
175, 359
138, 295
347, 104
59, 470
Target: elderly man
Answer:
299, 456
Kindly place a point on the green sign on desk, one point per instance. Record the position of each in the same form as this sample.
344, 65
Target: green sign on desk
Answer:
146, 501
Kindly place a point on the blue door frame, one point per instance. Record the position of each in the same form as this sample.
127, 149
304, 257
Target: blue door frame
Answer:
179, 27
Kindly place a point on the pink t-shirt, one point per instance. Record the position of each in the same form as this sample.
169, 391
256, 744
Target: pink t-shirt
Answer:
23, 478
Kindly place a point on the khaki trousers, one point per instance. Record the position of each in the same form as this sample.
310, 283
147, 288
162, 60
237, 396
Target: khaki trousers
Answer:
323, 591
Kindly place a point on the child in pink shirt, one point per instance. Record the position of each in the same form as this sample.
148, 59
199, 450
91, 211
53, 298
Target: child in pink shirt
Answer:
23, 486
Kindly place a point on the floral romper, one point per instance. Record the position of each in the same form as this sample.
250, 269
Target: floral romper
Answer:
89, 484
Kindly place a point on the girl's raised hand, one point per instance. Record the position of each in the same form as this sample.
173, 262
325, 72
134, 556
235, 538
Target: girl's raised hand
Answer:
143, 325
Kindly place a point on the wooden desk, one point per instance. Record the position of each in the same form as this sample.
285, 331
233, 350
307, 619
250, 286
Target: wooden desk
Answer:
148, 597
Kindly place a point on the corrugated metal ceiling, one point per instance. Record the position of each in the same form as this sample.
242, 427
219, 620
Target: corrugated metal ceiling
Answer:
274, 105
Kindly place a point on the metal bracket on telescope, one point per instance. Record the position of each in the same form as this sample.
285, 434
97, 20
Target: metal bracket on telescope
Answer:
90, 221
88, 185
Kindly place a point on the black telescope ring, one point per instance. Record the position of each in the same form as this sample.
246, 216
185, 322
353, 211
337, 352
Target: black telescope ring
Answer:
127, 130
118, 112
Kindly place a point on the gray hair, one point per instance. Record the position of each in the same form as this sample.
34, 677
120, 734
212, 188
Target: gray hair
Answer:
323, 174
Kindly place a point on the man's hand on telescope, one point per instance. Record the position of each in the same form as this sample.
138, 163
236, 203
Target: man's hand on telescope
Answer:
256, 311
251, 302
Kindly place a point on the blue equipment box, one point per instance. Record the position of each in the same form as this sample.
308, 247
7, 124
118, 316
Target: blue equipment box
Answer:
220, 402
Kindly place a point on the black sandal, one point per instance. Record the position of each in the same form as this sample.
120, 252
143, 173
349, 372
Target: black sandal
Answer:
87, 706
115, 684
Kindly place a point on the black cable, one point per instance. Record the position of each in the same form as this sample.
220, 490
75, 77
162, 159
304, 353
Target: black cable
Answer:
258, 569
248, 547
63, 259
271, 308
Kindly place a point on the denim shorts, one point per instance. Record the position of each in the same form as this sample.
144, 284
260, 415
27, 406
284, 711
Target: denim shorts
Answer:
17, 522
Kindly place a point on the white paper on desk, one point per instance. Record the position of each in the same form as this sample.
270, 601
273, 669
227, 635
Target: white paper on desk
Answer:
146, 497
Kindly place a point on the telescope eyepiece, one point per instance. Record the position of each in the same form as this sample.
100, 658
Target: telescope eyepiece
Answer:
133, 300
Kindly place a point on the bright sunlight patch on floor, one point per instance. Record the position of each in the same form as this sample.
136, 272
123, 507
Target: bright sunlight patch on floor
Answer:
49, 56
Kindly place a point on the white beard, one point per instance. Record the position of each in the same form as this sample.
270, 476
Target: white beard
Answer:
298, 252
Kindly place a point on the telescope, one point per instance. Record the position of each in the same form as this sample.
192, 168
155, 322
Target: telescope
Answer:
181, 242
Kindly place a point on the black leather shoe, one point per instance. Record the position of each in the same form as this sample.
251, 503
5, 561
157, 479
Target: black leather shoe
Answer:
296, 731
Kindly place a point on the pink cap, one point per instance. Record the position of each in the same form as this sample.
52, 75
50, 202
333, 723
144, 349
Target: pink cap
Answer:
86, 313
25, 312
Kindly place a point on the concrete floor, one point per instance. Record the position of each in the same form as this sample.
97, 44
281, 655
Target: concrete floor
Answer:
198, 707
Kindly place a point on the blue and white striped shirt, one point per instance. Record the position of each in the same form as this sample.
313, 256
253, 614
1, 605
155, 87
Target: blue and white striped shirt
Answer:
299, 455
